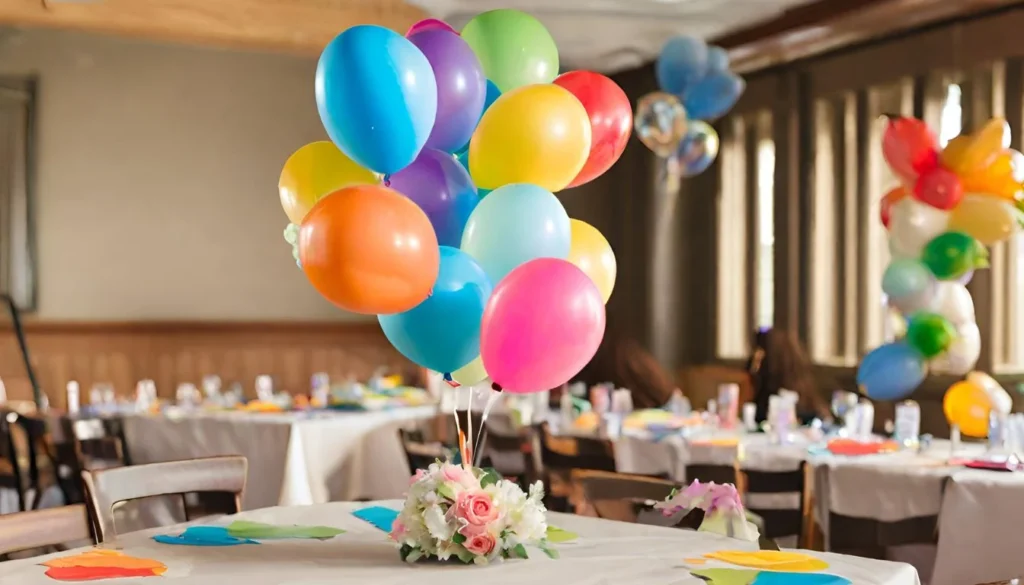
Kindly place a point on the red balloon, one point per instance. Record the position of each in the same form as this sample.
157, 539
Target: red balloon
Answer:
611, 120
910, 147
940, 188
429, 24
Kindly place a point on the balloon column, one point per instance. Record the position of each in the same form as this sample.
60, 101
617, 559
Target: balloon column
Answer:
953, 202
696, 87
433, 204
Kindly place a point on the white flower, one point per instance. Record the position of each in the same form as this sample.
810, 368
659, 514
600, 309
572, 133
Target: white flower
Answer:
437, 524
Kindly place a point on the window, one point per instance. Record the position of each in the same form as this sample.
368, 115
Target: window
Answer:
765, 223
17, 275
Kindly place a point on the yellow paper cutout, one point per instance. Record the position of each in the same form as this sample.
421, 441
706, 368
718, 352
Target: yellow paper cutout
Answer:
771, 559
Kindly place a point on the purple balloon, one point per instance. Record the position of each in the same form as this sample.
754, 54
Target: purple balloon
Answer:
461, 87
443, 189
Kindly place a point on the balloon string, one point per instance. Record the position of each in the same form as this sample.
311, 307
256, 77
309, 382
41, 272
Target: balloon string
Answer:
481, 441
467, 459
387, 180
458, 428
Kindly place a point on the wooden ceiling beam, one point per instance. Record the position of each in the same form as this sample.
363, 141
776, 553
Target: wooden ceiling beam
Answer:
299, 26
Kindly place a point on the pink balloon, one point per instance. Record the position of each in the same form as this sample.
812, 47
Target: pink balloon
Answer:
543, 323
429, 24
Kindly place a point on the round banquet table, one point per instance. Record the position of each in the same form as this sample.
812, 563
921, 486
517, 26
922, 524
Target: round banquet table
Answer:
605, 552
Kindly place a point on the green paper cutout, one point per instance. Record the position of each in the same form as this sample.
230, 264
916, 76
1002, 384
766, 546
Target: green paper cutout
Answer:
259, 530
726, 576
557, 535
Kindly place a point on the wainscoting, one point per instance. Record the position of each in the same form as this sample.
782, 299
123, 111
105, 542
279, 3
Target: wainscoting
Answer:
173, 353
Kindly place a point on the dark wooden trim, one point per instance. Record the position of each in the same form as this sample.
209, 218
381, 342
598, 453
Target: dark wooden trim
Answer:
348, 328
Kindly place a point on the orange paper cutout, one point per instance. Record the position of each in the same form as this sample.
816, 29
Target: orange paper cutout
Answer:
695, 561
853, 447
102, 564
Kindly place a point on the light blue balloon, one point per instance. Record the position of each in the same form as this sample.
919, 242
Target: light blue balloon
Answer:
515, 224
443, 332
906, 278
682, 63
891, 371
493, 93
377, 97
713, 96
718, 59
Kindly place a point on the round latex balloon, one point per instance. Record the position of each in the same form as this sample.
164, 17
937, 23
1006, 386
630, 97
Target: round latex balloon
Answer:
989, 220
660, 122
683, 62
697, 151
713, 96
429, 24
543, 323
888, 200
591, 253
954, 302
939, 188
461, 87
1000, 179
516, 224
611, 119
969, 154
538, 134
471, 373
910, 147
953, 254
891, 372
962, 354
967, 405
313, 171
930, 334
514, 48
997, 395
442, 188
443, 332
908, 283
718, 59
291, 235
369, 250
913, 224
379, 115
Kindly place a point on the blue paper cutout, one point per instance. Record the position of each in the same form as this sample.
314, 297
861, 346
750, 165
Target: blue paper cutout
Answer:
772, 578
380, 518
203, 536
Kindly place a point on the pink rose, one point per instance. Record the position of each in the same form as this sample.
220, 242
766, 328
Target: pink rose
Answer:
481, 544
476, 508
397, 530
420, 474
458, 475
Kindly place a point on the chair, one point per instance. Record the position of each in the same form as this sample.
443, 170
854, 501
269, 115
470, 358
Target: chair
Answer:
44, 528
555, 457
715, 473
778, 523
24, 455
623, 497
418, 452
109, 487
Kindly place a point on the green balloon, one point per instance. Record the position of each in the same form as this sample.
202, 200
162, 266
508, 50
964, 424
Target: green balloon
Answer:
953, 254
930, 333
514, 48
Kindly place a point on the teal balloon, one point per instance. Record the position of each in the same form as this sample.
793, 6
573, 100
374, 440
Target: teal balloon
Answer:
377, 97
891, 371
906, 278
513, 225
443, 332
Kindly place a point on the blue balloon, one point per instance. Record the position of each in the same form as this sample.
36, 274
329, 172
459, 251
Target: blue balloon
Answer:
682, 63
515, 224
891, 371
718, 59
713, 96
443, 332
377, 97
905, 277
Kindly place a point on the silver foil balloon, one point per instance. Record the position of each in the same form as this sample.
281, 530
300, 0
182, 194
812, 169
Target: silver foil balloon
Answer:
660, 122
695, 152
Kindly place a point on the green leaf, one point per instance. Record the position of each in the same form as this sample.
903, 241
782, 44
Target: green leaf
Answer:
414, 555
558, 535
520, 552
446, 492
552, 553
490, 477
405, 551
458, 538
465, 556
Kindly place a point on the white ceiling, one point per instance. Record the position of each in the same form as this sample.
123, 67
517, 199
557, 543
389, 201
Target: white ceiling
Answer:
611, 35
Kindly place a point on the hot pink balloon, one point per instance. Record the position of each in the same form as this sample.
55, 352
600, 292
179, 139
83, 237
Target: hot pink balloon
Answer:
429, 24
543, 323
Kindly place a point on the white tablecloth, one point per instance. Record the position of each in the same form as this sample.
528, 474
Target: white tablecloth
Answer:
606, 552
294, 458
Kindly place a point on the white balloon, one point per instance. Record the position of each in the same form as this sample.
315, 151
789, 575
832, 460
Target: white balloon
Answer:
998, 397
912, 225
954, 302
911, 304
962, 354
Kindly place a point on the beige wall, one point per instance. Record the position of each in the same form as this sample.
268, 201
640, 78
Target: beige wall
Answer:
156, 192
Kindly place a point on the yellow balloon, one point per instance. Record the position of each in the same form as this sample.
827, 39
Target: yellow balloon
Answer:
471, 373
968, 154
990, 220
592, 254
967, 405
316, 170
536, 134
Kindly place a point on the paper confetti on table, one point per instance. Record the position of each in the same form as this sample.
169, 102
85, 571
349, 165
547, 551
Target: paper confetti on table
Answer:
770, 559
381, 518
557, 535
752, 577
101, 564
261, 531
203, 536
695, 561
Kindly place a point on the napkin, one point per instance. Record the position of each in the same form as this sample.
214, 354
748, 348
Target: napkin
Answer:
203, 536
258, 530
380, 518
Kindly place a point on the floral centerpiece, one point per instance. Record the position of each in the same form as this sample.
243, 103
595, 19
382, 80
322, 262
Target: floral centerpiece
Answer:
722, 505
469, 514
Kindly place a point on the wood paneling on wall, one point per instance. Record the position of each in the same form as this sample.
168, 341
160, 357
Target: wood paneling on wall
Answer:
172, 353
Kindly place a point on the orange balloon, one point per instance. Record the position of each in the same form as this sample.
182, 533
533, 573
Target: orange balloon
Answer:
998, 179
370, 250
967, 404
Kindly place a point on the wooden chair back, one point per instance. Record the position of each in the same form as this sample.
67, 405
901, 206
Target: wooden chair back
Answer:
622, 497
700, 383
44, 528
565, 453
715, 473
108, 487
778, 523
420, 453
